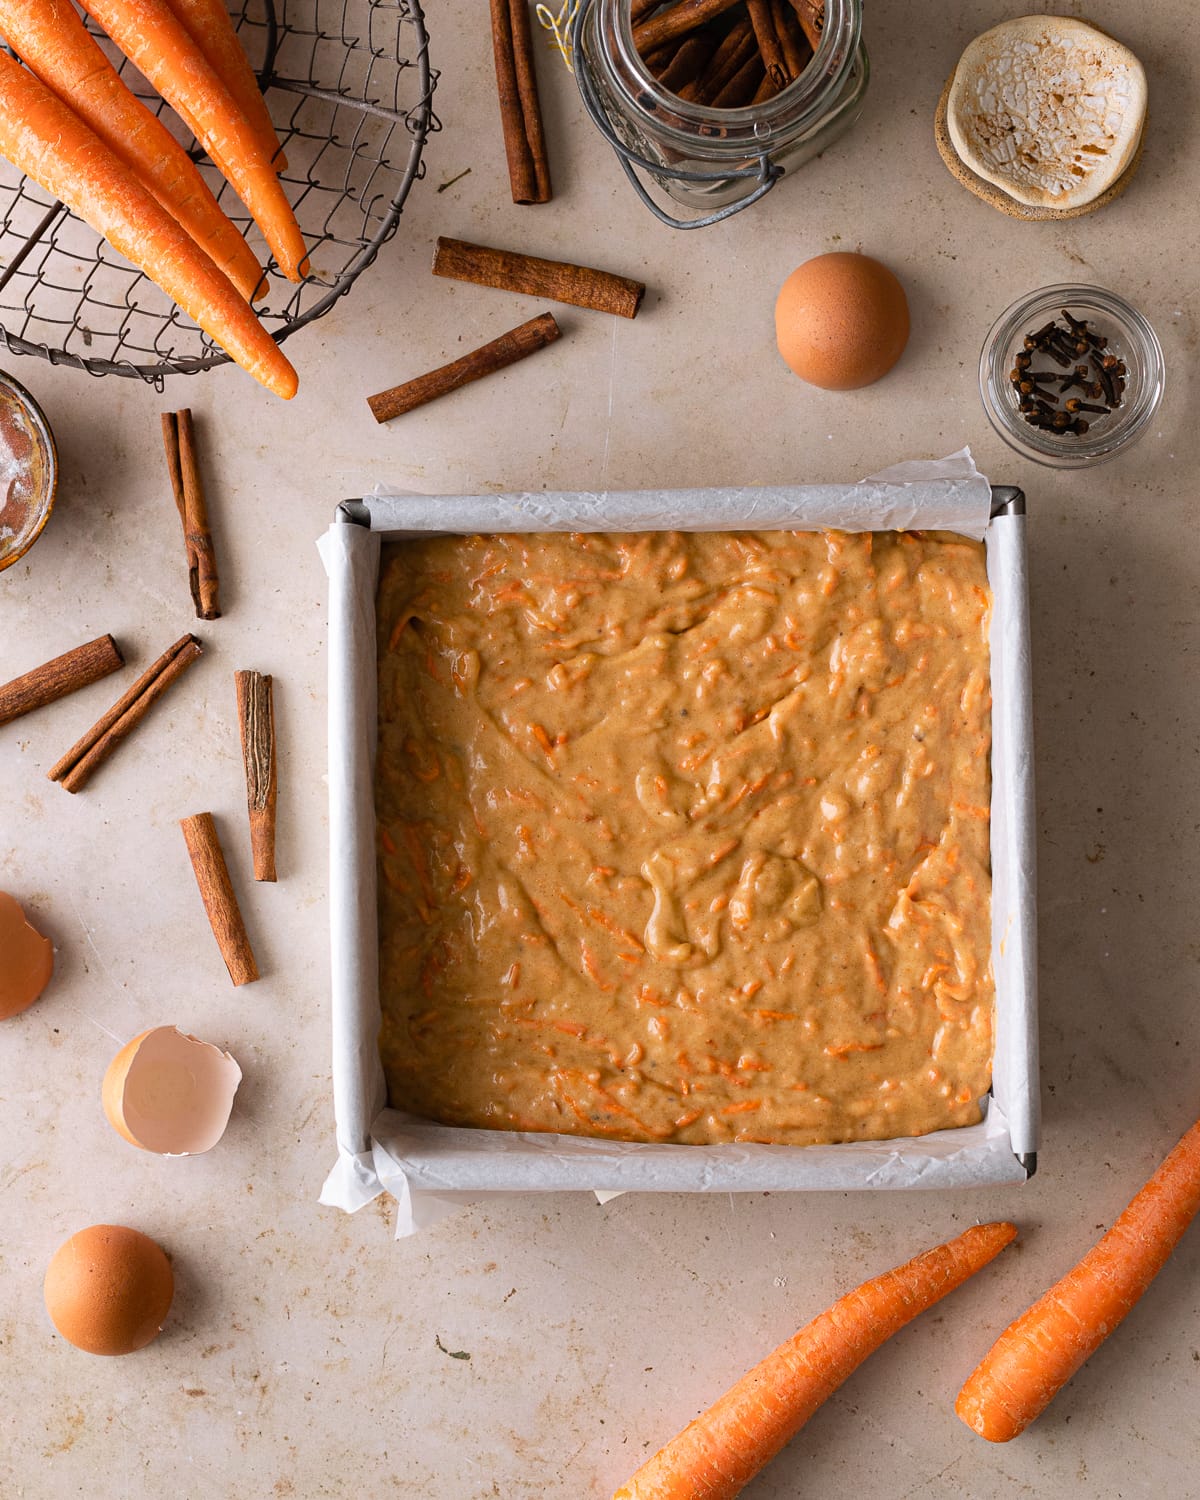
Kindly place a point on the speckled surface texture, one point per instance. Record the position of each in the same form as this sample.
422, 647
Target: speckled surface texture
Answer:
309, 1354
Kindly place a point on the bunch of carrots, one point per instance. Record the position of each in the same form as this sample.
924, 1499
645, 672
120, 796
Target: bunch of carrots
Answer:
719, 1453
68, 121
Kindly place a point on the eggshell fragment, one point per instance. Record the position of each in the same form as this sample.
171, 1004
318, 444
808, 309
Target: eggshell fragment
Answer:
841, 321
26, 959
169, 1092
108, 1289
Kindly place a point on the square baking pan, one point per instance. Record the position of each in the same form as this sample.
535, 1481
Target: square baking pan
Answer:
424, 1164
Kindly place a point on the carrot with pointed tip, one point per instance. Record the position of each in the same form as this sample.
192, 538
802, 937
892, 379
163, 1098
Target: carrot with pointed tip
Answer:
51, 39
722, 1450
48, 142
152, 38
208, 24
1036, 1355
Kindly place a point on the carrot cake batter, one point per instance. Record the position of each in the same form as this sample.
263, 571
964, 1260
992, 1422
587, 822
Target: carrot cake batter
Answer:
685, 837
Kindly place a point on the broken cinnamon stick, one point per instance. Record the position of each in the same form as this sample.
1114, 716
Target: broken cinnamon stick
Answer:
216, 891
557, 280
124, 716
675, 20
179, 440
769, 48
517, 343
55, 679
520, 110
256, 722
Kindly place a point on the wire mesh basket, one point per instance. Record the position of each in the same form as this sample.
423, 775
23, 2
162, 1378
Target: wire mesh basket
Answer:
350, 91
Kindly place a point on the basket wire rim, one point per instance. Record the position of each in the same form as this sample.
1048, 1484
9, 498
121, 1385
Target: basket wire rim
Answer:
418, 123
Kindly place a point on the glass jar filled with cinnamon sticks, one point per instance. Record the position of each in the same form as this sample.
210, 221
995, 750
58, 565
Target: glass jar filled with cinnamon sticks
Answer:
717, 99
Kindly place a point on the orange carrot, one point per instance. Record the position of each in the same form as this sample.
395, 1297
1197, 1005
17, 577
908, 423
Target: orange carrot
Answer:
208, 24
49, 36
1035, 1356
50, 143
156, 43
721, 1451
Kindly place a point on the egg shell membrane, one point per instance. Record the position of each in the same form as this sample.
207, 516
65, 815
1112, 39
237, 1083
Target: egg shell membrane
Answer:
26, 959
108, 1290
171, 1093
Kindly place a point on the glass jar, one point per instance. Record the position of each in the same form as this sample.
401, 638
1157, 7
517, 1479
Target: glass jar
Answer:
720, 160
1129, 337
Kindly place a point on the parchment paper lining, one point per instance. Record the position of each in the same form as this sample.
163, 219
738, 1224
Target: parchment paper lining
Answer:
431, 1168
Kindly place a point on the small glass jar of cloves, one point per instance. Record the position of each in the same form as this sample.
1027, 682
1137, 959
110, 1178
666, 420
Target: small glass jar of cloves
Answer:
1071, 375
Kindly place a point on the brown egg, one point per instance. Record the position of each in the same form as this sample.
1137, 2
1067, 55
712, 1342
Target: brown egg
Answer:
109, 1289
26, 959
841, 321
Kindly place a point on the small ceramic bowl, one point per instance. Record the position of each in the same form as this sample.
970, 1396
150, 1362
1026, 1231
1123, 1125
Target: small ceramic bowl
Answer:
28, 470
1130, 337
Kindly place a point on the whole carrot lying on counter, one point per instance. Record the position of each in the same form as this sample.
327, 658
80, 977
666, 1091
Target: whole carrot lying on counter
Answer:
1036, 1355
51, 144
151, 37
721, 1451
49, 36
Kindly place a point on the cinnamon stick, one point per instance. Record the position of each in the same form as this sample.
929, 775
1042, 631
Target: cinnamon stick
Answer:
124, 716
639, 9
216, 891
741, 88
520, 110
765, 35
675, 20
661, 57
557, 280
179, 440
735, 50
688, 63
517, 343
796, 51
55, 679
256, 722
811, 15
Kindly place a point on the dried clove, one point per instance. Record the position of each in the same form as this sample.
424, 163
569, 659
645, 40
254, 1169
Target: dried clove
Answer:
1106, 380
1038, 404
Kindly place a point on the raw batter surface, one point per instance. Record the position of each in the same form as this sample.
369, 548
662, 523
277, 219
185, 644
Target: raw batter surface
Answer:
685, 837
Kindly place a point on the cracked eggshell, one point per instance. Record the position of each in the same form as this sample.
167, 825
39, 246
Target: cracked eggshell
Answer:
26, 959
169, 1092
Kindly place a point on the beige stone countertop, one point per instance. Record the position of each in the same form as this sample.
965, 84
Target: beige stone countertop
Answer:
308, 1353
